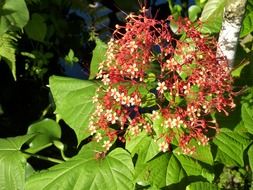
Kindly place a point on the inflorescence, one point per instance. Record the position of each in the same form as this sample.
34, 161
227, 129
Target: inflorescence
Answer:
166, 84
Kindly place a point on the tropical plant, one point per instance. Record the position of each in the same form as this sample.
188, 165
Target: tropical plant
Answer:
164, 115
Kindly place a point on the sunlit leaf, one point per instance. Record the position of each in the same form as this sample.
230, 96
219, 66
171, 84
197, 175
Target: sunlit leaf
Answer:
97, 57
15, 15
193, 12
143, 145
47, 130
201, 186
247, 116
168, 169
231, 146
212, 16
73, 98
12, 162
7, 51
250, 154
83, 171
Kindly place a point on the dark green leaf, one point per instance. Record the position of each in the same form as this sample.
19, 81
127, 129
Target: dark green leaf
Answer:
130, 5
36, 28
73, 100
97, 57
12, 162
115, 171
247, 24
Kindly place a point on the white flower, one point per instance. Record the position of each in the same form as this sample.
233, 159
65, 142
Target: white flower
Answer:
126, 100
92, 128
107, 145
98, 137
106, 79
114, 93
161, 87
163, 146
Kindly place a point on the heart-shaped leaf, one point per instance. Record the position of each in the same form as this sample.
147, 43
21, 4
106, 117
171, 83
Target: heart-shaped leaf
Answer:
83, 171
73, 99
12, 162
36, 28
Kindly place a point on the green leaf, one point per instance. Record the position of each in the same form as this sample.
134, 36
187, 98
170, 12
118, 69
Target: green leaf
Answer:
36, 28
181, 166
168, 169
157, 125
12, 162
250, 154
97, 57
193, 12
247, 116
153, 172
236, 72
48, 131
73, 99
83, 171
149, 100
247, 24
201, 186
151, 77
15, 15
143, 145
212, 16
231, 146
7, 51
70, 58
168, 96
203, 154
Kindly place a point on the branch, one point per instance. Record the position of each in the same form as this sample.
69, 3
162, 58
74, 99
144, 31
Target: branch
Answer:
231, 25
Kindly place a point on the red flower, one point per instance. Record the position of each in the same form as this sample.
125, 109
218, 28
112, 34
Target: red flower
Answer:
189, 83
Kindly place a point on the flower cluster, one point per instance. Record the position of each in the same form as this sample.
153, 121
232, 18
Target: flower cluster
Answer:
166, 84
